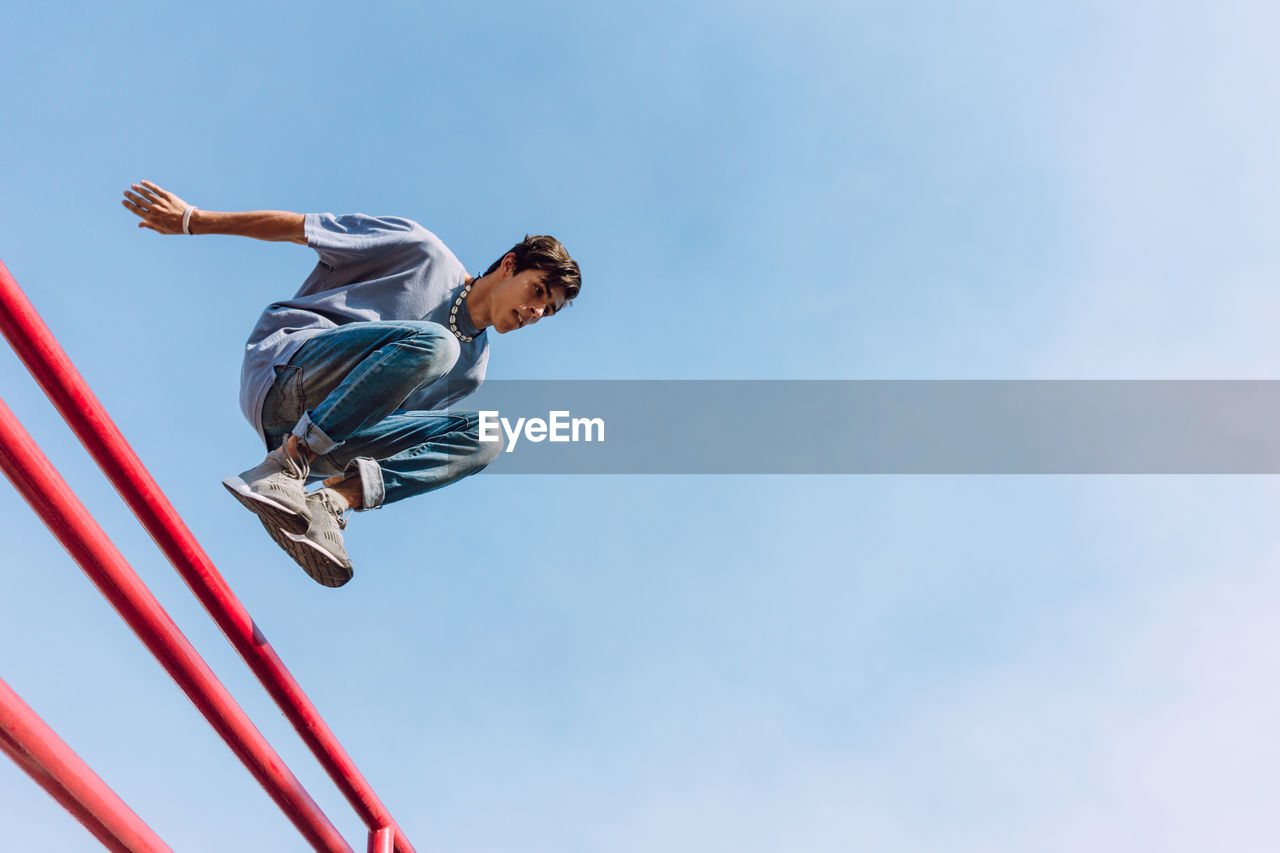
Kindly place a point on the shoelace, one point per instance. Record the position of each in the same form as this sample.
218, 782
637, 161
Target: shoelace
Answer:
298, 466
326, 498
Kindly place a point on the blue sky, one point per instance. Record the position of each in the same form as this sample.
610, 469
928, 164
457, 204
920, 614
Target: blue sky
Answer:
817, 190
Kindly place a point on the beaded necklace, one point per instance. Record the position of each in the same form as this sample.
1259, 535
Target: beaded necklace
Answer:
453, 314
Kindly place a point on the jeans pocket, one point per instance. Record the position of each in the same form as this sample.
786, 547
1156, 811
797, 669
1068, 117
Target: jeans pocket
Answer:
285, 402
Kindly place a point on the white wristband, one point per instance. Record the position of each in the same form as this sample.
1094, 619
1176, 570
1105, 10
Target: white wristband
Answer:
186, 220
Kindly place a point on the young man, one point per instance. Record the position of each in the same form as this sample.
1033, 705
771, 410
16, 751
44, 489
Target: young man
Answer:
345, 382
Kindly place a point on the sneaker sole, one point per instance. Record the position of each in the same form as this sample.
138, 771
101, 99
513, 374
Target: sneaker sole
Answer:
319, 564
266, 509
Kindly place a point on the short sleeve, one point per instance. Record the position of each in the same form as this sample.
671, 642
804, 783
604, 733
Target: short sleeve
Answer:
356, 238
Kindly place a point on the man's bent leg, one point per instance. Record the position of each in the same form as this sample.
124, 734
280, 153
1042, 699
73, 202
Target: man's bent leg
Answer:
359, 373
350, 378
424, 451
409, 453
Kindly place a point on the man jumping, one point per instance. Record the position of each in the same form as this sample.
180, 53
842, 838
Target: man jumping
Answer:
345, 383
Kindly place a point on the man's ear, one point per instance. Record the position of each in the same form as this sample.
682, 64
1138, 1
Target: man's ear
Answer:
508, 264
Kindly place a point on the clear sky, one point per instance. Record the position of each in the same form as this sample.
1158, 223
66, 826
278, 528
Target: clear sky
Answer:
754, 190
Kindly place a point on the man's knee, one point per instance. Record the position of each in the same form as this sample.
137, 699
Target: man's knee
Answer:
449, 348
484, 451
438, 350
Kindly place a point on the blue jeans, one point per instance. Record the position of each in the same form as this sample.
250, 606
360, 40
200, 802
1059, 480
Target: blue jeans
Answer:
341, 395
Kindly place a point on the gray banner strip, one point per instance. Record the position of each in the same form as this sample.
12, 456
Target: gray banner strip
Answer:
887, 427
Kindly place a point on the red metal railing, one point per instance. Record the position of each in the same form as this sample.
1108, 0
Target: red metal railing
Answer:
35, 748
54, 372
52, 499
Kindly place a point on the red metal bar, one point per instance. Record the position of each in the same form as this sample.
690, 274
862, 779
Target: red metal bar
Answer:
66, 388
52, 499
382, 840
35, 747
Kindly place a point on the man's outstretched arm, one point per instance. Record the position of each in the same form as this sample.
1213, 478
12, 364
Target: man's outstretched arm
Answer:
162, 212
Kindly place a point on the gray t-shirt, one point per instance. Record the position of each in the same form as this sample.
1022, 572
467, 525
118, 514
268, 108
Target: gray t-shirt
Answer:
371, 268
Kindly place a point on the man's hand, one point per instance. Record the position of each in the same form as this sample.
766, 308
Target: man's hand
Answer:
159, 209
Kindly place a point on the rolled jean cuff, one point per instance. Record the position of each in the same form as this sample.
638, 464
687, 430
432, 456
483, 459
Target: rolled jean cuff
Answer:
313, 437
372, 489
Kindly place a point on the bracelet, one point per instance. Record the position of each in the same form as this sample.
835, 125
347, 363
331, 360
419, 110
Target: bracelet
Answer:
186, 219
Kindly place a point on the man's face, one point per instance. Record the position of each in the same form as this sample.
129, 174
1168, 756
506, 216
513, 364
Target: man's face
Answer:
522, 300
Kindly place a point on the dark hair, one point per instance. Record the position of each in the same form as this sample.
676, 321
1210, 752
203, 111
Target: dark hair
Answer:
543, 252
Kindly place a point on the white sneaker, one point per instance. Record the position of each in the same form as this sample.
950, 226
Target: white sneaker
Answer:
320, 550
275, 490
